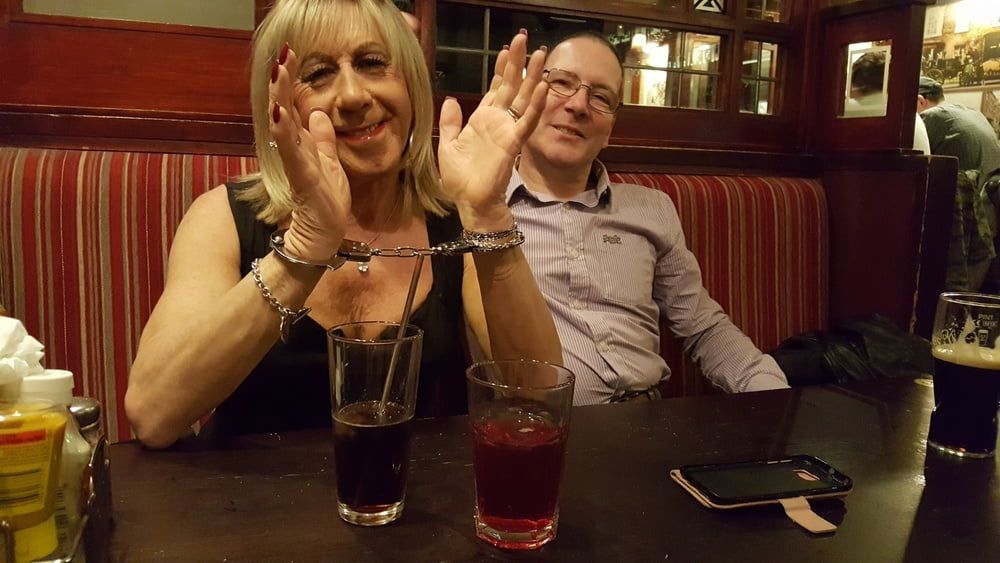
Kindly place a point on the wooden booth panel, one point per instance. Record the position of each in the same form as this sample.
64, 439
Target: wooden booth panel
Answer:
900, 21
890, 225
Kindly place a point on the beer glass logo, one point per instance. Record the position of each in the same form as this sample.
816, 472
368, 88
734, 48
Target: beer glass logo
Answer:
987, 326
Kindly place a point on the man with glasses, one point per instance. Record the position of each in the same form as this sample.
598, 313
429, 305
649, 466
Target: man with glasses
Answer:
610, 258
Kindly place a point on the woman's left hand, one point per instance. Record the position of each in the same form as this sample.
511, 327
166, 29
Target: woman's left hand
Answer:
476, 160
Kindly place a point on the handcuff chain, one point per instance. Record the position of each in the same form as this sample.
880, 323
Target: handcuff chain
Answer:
357, 251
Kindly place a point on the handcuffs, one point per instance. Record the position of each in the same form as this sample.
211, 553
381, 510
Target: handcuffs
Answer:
357, 251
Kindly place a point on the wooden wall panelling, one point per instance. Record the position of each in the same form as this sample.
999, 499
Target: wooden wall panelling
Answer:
936, 238
898, 20
426, 12
194, 78
890, 221
111, 81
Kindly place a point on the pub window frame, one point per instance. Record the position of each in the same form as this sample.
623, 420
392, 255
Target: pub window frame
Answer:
777, 64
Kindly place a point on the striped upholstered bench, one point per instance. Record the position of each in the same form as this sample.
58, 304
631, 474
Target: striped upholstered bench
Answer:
86, 235
762, 243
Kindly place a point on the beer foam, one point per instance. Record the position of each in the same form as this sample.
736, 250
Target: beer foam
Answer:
969, 354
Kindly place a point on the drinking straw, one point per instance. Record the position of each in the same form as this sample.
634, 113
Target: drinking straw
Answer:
407, 307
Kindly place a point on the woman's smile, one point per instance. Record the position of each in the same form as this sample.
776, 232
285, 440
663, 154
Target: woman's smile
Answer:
361, 135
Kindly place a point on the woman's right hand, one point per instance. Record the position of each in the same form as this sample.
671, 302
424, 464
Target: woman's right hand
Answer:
308, 153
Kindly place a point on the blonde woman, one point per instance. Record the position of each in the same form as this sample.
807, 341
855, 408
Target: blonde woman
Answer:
342, 112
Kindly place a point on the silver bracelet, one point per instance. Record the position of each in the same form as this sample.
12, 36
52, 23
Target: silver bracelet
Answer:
288, 316
514, 238
478, 237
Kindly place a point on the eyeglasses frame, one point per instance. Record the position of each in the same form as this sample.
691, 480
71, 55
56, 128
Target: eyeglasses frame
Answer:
581, 84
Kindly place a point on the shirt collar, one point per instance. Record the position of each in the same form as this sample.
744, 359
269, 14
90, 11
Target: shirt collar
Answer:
598, 187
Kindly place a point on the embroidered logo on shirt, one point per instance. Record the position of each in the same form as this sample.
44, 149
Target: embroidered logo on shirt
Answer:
613, 239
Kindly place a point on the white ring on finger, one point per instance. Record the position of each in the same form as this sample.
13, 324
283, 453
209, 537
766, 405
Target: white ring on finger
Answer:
514, 113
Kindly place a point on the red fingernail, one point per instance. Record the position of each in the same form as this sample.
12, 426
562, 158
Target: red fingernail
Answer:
505, 47
522, 31
276, 113
274, 73
284, 55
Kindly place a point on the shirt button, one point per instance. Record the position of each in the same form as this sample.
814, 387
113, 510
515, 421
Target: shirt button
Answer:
576, 304
572, 253
604, 347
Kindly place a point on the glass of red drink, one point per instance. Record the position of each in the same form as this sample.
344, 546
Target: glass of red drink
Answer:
371, 420
966, 349
519, 412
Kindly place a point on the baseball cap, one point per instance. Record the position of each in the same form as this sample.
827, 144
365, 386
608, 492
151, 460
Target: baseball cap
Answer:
929, 87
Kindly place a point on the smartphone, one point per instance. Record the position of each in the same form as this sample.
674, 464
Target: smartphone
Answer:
755, 481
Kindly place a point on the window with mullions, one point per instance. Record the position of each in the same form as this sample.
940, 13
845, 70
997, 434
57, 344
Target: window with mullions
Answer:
470, 37
670, 68
760, 78
768, 10
663, 67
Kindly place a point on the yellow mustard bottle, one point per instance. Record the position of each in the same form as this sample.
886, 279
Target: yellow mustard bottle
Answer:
31, 444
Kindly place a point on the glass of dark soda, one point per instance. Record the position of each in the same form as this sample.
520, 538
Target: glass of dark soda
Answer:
519, 411
966, 375
373, 395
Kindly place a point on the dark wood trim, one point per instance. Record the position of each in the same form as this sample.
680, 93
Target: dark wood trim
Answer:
625, 158
66, 111
17, 14
624, 12
126, 145
426, 12
260, 10
16, 127
890, 159
810, 54
934, 241
868, 6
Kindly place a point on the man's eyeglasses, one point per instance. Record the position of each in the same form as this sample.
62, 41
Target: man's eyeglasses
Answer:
564, 83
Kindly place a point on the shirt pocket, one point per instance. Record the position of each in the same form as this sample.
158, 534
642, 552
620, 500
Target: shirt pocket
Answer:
624, 264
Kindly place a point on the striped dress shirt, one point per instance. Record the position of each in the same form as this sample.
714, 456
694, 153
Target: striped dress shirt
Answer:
611, 263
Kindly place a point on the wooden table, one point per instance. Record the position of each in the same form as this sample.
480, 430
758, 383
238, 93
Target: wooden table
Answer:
272, 497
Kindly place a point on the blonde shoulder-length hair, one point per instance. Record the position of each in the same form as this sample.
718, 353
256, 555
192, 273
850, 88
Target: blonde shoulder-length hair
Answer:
302, 23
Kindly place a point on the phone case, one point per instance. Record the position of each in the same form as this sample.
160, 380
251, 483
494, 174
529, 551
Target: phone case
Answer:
796, 507
765, 479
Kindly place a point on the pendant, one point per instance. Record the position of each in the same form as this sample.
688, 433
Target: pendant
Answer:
363, 267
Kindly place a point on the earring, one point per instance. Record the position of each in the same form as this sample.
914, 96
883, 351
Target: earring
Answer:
409, 141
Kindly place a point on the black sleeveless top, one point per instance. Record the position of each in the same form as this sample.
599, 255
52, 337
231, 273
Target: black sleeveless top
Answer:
289, 389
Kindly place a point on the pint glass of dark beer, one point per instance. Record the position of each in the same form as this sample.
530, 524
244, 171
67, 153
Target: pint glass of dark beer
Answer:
373, 395
966, 375
519, 412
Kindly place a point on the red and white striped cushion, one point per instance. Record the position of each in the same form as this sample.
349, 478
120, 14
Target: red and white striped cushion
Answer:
86, 239
86, 234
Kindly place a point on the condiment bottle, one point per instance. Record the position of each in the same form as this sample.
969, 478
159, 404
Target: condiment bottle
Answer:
56, 385
31, 438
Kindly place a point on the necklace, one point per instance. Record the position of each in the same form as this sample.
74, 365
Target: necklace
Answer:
363, 266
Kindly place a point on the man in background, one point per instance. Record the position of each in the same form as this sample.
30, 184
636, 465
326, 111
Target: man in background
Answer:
964, 133
959, 131
611, 258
